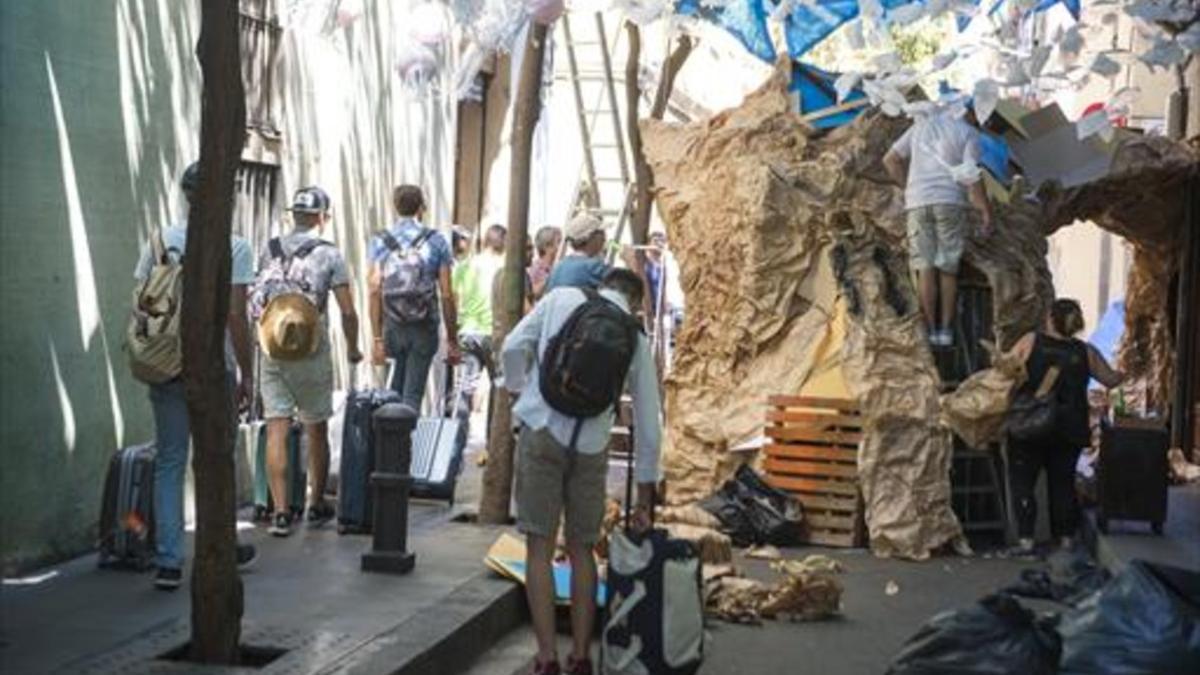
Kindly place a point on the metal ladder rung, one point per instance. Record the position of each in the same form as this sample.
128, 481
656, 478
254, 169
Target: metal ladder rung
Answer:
609, 179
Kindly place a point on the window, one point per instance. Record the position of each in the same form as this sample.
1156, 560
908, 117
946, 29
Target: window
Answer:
261, 39
256, 202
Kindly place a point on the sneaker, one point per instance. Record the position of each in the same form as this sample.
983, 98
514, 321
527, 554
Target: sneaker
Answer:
547, 668
583, 667
320, 512
168, 578
947, 337
246, 555
281, 525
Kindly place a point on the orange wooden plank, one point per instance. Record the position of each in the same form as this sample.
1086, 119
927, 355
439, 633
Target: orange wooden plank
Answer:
791, 483
836, 539
814, 435
776, 465
780, 401
822, 420
825, 452
827, 503
820, 521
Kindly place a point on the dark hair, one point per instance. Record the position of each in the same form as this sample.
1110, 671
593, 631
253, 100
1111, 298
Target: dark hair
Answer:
1066, 316
626, 282
498, 228
190, 181
408, 200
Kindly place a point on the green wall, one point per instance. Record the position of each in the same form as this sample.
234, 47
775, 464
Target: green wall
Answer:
58, 430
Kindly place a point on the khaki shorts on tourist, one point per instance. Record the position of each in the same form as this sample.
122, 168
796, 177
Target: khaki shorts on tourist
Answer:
303, 389
935, 236
554, 484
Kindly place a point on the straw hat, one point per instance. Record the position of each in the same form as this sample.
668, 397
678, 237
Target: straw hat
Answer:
289, 328
582, 226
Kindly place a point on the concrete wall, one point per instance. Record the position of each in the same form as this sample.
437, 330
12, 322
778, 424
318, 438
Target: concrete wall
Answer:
99, 116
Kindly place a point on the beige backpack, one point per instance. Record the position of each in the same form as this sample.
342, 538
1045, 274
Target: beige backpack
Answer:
152, 338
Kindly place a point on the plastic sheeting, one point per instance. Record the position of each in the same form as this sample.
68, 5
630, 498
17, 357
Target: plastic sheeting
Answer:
746, 20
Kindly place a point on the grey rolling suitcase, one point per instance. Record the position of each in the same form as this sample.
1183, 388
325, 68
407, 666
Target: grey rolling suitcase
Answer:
437, 451
127, 510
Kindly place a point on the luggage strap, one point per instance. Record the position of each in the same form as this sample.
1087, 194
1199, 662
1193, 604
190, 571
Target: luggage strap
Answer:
627, 656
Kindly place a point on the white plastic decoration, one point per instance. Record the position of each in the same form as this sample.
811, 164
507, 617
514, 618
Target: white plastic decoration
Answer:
1165, 53
544, 11
417, 65
1176, 11
942, 61
643, 12
1190, 38
1092, 124
1105, 66
906, 14
845, 83
986, 95
428, 25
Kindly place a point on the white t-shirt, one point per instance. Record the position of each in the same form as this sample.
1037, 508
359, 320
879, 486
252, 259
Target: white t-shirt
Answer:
933, 146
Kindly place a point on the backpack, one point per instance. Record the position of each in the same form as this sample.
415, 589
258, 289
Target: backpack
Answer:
152, 337
583, 368
278, 278
408, 295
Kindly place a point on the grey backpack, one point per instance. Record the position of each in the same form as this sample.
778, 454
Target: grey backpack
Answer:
408, 294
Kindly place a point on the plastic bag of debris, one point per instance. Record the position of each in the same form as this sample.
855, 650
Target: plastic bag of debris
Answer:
1146, 620
753, 513
995, 636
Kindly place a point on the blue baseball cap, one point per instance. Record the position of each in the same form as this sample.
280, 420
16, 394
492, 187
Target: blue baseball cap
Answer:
311, 199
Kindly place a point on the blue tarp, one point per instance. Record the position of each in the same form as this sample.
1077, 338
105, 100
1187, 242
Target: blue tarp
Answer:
815, 87
1108, 332
804, 29
744, 19
994, 155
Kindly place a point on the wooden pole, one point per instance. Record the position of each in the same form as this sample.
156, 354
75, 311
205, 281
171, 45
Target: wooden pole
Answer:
216, 587
498, 475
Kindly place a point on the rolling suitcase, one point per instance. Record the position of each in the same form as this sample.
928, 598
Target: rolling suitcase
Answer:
654, 611
297, 474
437, 450
1131, 476
355, 510
127, 510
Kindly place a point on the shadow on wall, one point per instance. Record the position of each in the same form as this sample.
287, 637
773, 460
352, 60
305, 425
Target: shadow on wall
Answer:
92, 145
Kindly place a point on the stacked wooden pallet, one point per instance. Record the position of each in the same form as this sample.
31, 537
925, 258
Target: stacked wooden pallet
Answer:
812, 454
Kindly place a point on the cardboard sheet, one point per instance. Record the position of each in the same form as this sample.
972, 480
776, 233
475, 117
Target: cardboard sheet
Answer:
506, 557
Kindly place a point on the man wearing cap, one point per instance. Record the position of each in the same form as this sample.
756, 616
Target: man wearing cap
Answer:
172, 429
924, 161
583, 266
412, 342
297, 369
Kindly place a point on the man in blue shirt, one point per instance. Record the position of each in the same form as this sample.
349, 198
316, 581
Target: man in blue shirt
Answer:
406, 329
583, 266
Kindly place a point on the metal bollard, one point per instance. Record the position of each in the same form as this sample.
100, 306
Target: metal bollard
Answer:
391, 483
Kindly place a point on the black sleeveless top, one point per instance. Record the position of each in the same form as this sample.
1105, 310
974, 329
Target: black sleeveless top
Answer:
1071, 357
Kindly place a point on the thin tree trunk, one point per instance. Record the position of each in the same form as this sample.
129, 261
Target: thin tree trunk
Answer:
498, 475
216, 587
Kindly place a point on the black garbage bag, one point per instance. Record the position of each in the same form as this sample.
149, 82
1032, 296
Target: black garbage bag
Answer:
753, 513
1146, 620
1067, 577
996, 636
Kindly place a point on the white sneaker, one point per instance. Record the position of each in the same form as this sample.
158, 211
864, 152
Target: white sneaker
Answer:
940, 338
947, 337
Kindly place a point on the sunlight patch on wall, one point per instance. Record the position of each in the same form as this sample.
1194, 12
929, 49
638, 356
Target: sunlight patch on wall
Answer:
118, 417
64, 402
85, 278
130, 69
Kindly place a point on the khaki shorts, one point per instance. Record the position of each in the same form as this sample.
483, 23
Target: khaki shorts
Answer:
935, 236
552, 483
303, 389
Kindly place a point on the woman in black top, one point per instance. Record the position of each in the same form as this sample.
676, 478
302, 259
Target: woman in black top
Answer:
1057, 453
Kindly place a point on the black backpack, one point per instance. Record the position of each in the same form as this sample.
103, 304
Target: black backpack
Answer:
583, 369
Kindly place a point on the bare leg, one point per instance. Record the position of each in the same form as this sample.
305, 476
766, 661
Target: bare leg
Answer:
583, 599
277, 459
539, 589
928, 280
318, 460
949, 289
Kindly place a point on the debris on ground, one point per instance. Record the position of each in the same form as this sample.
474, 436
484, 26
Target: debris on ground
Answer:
690, 514
1182, 471
754, 513
891, 588
714, 547
805, 590
765, 552
1066, 577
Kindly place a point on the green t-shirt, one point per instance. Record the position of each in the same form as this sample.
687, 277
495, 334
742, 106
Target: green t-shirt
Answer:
473, 300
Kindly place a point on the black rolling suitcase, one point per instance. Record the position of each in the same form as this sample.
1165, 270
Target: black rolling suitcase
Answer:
127, 510
1132, 474
654, 611
358, 459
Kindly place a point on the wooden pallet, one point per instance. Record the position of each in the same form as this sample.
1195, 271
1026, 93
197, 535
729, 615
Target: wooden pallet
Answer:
812, 454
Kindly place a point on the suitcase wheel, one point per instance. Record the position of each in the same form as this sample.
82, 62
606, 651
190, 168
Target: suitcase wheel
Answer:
1157, 527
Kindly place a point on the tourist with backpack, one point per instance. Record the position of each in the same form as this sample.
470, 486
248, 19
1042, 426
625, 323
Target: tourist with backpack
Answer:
568, 362
296, 274
410, 273
156, 358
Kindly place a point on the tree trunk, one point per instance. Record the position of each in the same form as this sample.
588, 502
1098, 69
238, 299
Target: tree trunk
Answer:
498, 474
216, 587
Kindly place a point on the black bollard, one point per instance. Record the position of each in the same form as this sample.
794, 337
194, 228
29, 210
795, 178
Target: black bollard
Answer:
391, 483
